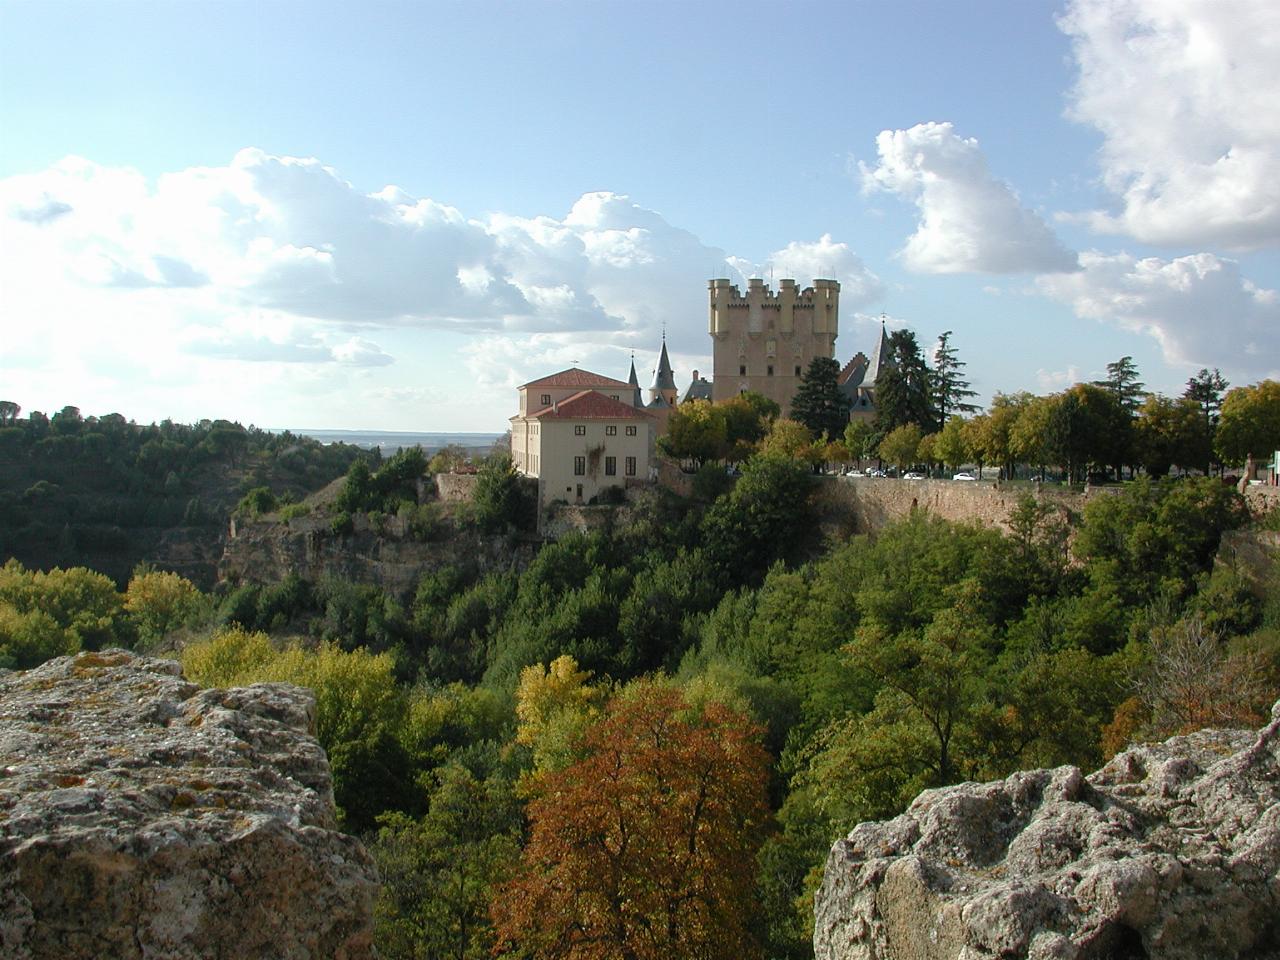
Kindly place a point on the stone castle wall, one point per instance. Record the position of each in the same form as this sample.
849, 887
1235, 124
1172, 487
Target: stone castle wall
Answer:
871, 503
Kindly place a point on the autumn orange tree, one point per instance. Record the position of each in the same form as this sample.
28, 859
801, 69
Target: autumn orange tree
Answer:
645, 848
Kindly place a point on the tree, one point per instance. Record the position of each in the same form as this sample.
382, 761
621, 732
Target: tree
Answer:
1250, 422
1122, 380
1087, 426
762, 518
819, 402
357, 491
901, 445
903, 387
1029, 432
951, 446
438, 872
696, 431
496, 501
1170, 432
9, 413
859, 437
747, 418
555, 706
951, 391
1205, 389
645, 848
159, 602
996, 428
789, 439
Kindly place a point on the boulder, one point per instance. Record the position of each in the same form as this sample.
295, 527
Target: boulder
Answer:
1170, 851
141, 816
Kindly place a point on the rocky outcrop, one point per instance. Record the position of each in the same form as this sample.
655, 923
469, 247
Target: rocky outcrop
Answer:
1170, 851
141, 816
267, 551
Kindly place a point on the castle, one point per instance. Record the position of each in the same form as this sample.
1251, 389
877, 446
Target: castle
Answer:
567, 431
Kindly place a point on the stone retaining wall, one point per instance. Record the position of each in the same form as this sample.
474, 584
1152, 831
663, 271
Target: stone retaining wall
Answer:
456, 487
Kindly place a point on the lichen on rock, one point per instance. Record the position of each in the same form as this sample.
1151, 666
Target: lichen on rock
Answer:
1170, 852
141, 816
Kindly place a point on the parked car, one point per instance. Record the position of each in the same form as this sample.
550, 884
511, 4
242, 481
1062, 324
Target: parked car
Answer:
875, 473
964, 476
912, 475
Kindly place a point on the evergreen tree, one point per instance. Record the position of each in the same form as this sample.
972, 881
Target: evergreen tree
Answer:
951, 392
1207, 390
1122, 380
819, 403
903, 393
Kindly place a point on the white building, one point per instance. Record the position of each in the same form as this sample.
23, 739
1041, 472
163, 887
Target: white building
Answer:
578, 432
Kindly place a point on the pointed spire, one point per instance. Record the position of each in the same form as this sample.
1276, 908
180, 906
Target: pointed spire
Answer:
637, 399
663, 378
879, 356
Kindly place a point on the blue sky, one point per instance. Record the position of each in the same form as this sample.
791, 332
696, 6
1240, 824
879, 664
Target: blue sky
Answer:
387, 215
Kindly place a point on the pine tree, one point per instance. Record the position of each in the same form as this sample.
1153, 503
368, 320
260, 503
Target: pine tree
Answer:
819, 403
1122, 380
1207, 389
903, 393
951, 392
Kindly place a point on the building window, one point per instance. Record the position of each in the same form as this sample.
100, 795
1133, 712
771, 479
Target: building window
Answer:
769, 370
631, 431
610, 466
797, 369
742, 369
546, 399
631, 466
614, 395
579, 466
580, 430
610, 431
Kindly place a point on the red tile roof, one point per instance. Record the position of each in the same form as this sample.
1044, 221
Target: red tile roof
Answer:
590, 405
575, 377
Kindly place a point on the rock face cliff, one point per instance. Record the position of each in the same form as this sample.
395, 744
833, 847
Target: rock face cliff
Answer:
141, 816
1170, 851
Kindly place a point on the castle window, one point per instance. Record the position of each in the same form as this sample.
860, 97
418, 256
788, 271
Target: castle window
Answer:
742, 370
611, 431
797, 369
631, 466
580, 430
769, 370
610, 466
579, 466
631, 431
546, 399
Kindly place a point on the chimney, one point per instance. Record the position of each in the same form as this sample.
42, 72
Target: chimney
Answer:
695, 376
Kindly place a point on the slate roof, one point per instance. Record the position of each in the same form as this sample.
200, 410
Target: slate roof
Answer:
663, 378
575, 377
699, 389
589, 405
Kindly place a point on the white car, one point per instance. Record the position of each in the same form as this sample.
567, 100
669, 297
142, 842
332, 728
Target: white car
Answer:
964, 476
912, 475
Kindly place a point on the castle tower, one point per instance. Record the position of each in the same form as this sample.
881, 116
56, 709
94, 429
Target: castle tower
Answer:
765, 340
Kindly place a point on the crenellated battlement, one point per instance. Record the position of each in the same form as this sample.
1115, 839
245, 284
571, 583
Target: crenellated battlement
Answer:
764, 339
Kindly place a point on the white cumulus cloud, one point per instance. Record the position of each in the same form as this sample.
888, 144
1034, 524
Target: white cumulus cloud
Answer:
823, 258
1184, 94
1199, 308
969, 220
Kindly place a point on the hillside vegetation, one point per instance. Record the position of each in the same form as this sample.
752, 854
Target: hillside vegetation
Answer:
109, 493
648, 737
